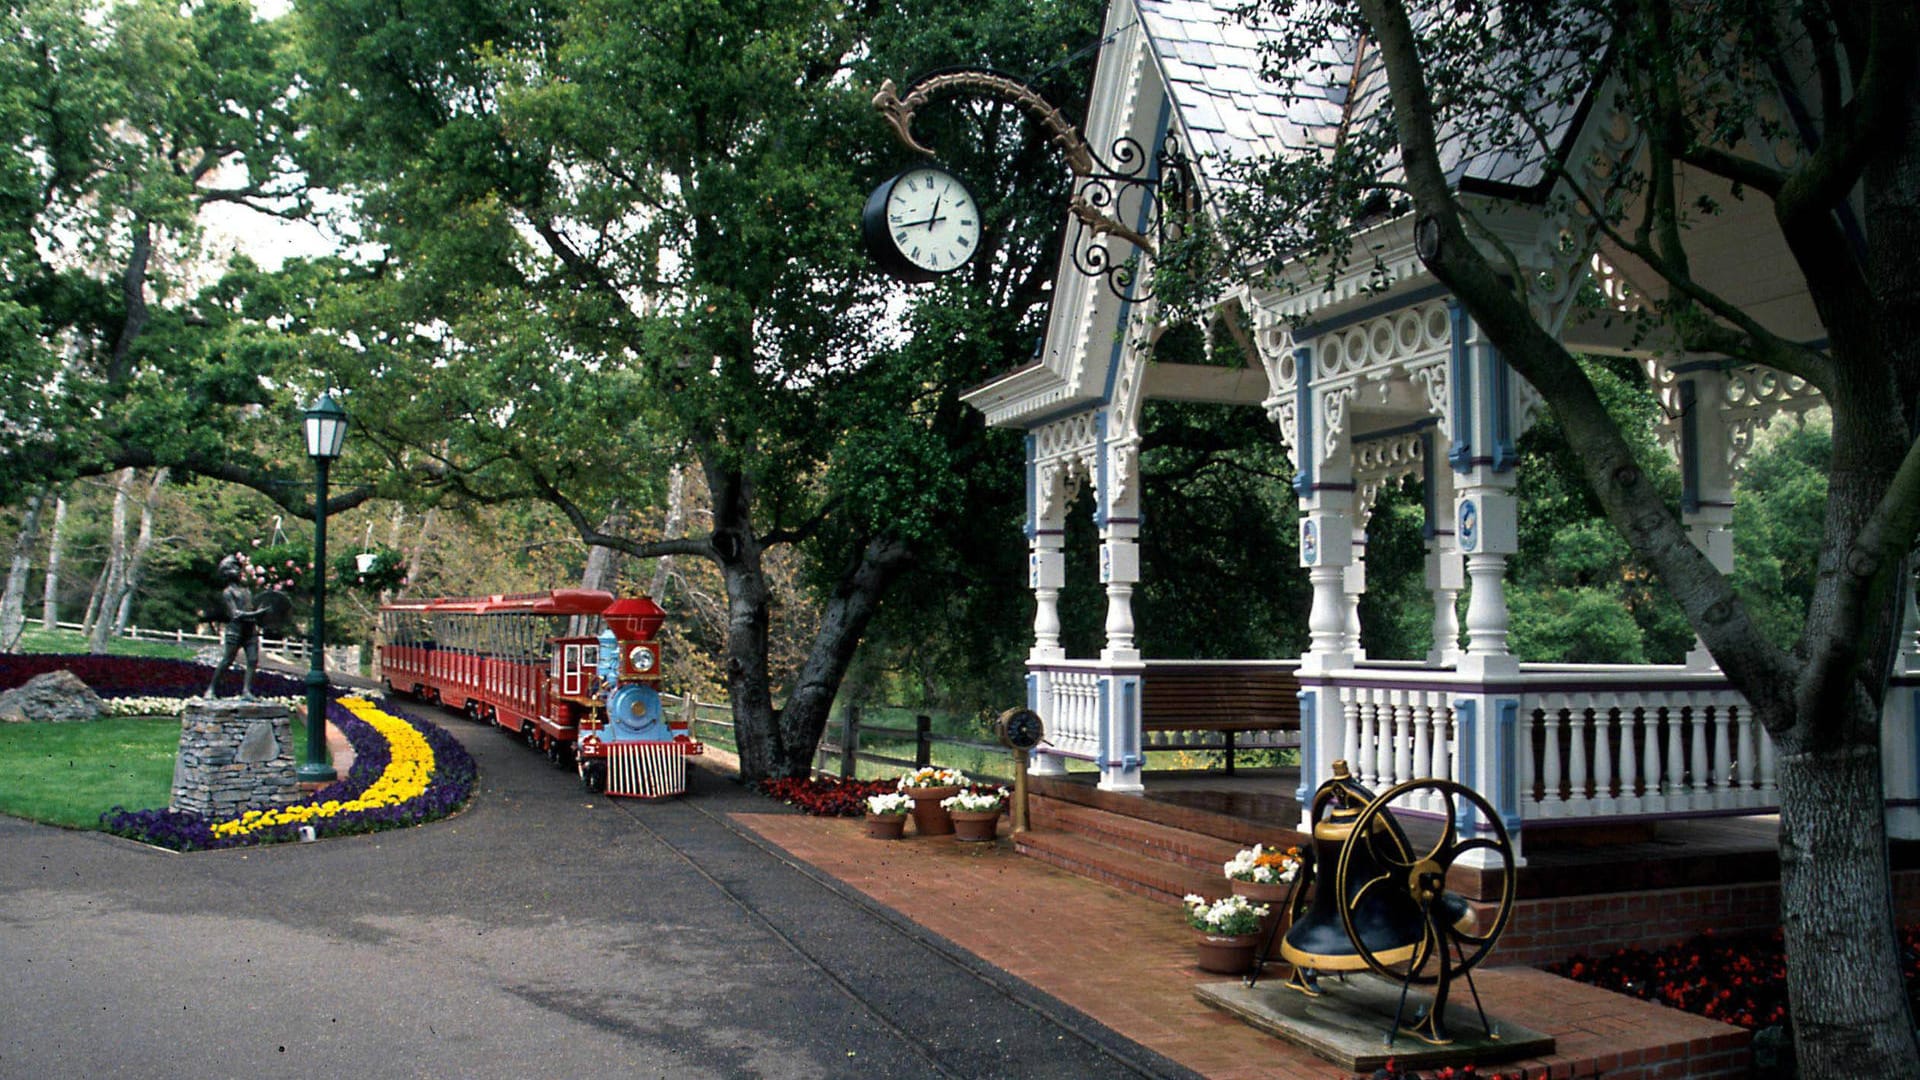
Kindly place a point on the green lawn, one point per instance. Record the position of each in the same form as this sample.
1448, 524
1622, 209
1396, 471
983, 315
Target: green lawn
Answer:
34, 640
68, 774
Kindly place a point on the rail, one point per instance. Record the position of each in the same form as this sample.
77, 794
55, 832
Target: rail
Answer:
842, 754
289, 647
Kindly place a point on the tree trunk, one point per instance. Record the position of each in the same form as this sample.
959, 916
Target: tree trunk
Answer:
675, 524
13, 612
855, 599
100, 626
1850, 1016
137, 561
50, 597
603, 564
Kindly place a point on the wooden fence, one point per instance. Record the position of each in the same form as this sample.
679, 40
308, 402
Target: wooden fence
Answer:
291, 648
840, 754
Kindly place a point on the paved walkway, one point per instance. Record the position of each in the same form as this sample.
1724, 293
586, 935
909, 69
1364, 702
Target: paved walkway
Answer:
1127, 962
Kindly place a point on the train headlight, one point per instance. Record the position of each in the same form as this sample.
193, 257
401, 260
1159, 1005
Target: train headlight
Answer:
641, 658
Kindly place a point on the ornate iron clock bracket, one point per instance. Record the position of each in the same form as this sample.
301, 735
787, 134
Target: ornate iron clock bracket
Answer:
1102, 185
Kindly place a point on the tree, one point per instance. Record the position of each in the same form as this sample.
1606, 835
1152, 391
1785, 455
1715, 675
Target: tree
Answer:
616, 235
121, 344
1837, 168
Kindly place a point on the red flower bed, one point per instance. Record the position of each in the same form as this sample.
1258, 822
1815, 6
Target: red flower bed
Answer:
830, 796
825, 796
1738, 979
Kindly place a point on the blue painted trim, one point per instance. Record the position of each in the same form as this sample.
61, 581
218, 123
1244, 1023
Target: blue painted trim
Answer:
1430, 524
1379, 307
1310, 745
1033, 486
1102, 504
1102, 755
1130, 754
1033, 691
1139, 225
1913, 735
1459, 388
1689, 448
1500, 377
1466, 718
1303, 418
1506, 732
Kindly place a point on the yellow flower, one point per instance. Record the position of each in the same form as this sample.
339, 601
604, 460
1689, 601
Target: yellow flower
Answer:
409, 770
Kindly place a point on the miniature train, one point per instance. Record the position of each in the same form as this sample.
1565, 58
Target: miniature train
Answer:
535, 665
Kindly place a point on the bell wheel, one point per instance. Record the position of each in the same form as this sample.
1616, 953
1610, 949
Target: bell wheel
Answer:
1380, 862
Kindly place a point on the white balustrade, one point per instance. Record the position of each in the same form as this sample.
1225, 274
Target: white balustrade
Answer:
1070, 711
1680, 751
1397, 734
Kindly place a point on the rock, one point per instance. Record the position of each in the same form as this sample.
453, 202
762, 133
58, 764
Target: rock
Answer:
56, 697
258, 745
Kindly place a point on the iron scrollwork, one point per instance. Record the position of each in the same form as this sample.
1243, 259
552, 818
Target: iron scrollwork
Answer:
1128, 184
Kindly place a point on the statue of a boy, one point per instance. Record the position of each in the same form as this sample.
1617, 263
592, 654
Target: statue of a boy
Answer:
242, 633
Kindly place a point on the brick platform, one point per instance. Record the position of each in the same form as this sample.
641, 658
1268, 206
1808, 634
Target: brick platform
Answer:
1127, 961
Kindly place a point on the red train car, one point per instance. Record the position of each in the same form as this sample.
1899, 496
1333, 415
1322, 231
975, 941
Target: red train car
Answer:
532, 664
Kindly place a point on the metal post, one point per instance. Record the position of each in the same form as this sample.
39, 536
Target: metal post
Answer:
317, 769
922, 741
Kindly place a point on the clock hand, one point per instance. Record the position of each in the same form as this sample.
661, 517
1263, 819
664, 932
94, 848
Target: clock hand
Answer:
936, 212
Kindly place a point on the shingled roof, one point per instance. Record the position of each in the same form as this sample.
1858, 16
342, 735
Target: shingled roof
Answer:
1209, 59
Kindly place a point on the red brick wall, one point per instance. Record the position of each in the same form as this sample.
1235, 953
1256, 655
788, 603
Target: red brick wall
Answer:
1543, 931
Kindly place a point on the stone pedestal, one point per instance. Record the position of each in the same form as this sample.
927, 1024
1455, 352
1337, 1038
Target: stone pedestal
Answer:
235, 755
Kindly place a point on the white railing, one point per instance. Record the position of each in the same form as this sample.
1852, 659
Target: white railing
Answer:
1594, 742
1630, 752
1070, 706
1396, 734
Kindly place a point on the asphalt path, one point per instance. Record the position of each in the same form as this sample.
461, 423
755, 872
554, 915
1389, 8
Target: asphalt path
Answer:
542, 932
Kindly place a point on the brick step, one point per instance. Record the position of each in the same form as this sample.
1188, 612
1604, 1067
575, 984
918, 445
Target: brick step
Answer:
1123, 868
1166, 843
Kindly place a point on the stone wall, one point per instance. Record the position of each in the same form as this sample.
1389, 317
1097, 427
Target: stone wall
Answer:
235, 755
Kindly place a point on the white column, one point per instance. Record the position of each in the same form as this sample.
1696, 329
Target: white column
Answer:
1353, 584
1118, 515
1706, 478
1486, 523
1049, 491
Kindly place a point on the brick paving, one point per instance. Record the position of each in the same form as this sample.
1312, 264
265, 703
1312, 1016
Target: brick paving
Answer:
1127, 962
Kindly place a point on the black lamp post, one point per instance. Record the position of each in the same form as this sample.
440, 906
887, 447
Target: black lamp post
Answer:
326, 431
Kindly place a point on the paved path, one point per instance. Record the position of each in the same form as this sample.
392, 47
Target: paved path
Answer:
543, 932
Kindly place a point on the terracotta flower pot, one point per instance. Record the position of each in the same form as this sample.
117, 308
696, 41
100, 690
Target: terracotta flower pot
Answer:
1225, 954
886, 826
1274, 896
976, 826
929, 817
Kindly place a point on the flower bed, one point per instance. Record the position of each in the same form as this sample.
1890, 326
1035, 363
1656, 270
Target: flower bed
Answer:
825, 796
406, 771
132, 676
1738, 979
828, 796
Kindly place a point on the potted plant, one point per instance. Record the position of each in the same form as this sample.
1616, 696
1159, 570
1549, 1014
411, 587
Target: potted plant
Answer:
887, 815
1264, 875
975, 814
926, 787
1226, 931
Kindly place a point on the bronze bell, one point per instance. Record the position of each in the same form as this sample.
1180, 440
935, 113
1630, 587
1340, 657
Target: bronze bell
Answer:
1376, 888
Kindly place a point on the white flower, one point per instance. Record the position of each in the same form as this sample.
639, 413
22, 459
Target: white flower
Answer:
889, 803
976, 802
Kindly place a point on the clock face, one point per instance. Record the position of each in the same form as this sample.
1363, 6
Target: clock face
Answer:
1020, 728
923, 223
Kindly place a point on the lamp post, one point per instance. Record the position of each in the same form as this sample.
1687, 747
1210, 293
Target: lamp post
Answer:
326, 431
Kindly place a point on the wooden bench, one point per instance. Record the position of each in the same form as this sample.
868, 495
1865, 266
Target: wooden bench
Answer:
1209, 706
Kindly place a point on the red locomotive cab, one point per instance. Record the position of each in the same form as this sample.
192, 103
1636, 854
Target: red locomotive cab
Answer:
634, 621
